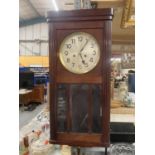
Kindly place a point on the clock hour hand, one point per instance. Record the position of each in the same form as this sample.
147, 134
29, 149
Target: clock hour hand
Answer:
82, 58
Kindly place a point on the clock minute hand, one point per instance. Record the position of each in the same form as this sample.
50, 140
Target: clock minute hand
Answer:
84, 46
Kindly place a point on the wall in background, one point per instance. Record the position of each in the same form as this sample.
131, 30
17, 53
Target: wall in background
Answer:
33, 40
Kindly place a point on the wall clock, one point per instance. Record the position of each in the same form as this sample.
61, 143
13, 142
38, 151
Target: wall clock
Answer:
79, 54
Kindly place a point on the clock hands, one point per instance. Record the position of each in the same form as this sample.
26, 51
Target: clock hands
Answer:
84, 46
82, 58
82, 50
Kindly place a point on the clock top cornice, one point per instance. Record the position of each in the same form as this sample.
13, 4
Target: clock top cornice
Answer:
83, 14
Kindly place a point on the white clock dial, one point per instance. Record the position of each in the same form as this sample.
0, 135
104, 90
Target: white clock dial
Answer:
79, 52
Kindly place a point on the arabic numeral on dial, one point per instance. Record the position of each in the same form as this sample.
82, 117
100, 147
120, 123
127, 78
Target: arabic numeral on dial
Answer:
91, 60
80, 38
94, 52
68, 46
68, 60
73, 41
73, 64
66, 52
86, 64
92, 45
80, 67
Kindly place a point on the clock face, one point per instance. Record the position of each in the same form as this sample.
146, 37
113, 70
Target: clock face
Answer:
79, 52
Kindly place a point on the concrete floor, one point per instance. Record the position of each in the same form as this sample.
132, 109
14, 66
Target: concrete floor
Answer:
26, 116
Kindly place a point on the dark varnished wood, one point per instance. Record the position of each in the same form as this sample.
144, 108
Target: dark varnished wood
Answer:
98, 23
71, 25
90, 108
106, 84
82, 15
88, 139
53, 86
69, 107
86, 79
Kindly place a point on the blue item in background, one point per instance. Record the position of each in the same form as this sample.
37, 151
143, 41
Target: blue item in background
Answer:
40, 76
131, 82
41, 79
24, 69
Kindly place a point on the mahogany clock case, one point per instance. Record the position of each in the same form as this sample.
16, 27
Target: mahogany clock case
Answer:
96, 22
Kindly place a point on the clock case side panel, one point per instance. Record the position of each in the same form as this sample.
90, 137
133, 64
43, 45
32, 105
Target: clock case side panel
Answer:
53, 85
106, 75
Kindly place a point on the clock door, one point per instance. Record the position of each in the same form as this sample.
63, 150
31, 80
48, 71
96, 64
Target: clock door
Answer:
80, 103
79, 108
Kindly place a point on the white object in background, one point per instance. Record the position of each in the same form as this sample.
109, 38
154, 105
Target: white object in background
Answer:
132, 96
36, 65
122, 149
129, 99
86, 4
39, 148
123, 89
128, 118
56, 150
55, 5
77, 4
24, 91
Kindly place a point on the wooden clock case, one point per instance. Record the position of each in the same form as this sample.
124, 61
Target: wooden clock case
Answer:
96, 22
